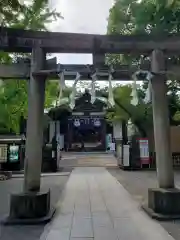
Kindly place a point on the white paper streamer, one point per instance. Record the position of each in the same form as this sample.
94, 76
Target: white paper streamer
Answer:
61, 86
73, 94
1, 19
134, 100
93, 90
111, 97
134, 95
148, 96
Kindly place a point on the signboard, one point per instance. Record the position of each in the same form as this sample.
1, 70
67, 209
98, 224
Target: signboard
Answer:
144, 151
3, 153
13, 153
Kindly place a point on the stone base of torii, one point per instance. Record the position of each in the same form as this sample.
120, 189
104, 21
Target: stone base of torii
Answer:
33, 205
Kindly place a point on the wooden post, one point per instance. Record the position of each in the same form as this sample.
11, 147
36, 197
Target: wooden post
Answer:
34, 141
98, 60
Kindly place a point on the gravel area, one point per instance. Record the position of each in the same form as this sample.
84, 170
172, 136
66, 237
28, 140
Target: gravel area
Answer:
54, 183
137, 184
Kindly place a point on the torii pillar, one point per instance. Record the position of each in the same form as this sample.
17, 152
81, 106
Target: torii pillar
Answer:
34, 133
33, 204
163, 202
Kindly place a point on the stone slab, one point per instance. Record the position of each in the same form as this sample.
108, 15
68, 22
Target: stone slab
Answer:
82, 227
61, 234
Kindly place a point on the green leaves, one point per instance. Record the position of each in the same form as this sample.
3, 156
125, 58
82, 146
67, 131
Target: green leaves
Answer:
147, 17
140, 115
13, 93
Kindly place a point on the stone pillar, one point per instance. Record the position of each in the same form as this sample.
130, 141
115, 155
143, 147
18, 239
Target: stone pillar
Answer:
32, 206
119, 147
161, 122
117, 135
36, 94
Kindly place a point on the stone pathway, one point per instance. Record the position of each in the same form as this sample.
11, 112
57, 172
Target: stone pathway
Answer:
96, 206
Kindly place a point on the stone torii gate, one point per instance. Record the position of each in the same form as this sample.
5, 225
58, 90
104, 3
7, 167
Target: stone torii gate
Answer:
33, 204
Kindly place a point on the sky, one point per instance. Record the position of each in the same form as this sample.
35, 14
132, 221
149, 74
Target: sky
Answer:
80, 16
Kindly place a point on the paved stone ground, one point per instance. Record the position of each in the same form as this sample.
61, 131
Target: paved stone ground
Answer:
55, 183
138, 182
96, 206
86, 159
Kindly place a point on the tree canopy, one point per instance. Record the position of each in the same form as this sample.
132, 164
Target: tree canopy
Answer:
129, 17
13, 93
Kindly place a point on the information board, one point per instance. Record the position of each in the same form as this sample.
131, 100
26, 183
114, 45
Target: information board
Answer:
13, 153
3, 153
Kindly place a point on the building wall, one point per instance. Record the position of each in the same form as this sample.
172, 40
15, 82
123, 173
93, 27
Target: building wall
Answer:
174, 137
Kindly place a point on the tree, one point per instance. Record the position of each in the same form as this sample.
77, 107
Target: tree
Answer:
13, 93
140, 115
147, 17
35, 15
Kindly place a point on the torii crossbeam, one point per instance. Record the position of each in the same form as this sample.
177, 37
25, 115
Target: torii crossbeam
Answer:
120, 73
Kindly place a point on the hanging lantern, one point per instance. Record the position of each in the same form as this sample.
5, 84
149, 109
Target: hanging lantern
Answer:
134, 95
93, 86
73, 94
111, 96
